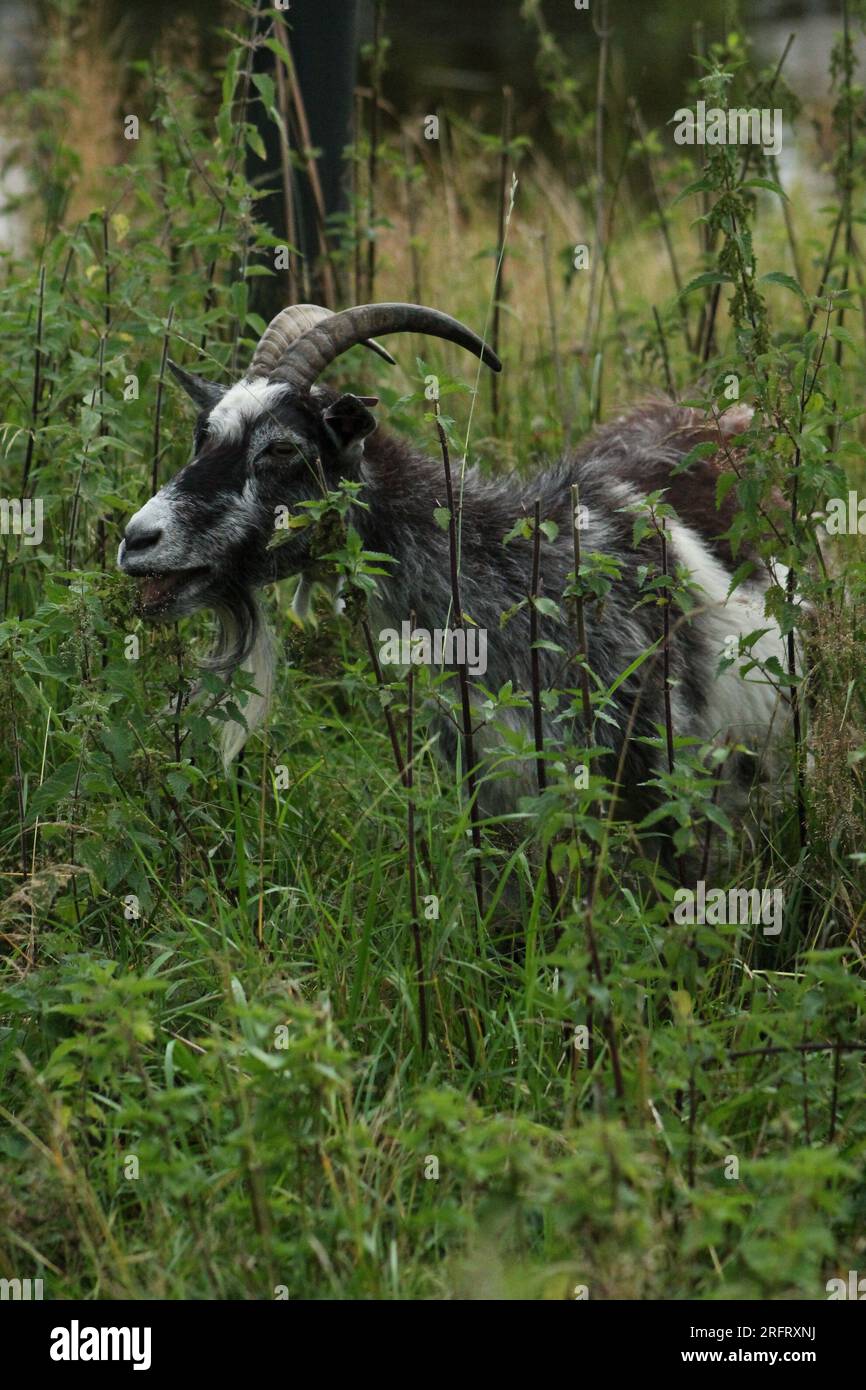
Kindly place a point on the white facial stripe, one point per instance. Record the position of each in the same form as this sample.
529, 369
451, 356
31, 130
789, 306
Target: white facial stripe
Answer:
155, 515
243, 403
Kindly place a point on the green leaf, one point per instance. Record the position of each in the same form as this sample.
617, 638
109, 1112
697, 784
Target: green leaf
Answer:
778, 277
55, 788
255, 142
699, 186
740, 575
725, 482
546, 606
708, 277
507, 614
265, 87
766, 183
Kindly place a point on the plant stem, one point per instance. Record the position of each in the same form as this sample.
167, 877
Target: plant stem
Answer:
410, 851
666, 647
466, 707
160, 384
373, 152
499, 279
537, 721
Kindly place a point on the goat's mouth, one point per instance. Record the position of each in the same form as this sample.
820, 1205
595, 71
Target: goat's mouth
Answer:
159, 590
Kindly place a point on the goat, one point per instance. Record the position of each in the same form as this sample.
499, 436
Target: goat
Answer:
277, 438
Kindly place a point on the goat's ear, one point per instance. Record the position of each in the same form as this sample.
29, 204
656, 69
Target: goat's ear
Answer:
348, 422
204, 393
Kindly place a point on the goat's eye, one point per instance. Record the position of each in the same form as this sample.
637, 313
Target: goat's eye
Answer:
284, 449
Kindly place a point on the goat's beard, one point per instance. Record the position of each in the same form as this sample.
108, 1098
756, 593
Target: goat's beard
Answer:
242, 640
239, 620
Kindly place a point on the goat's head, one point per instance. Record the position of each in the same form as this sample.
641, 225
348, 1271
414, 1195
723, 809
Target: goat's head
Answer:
272, 440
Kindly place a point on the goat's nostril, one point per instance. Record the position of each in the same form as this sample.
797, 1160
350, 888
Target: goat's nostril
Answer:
141, 540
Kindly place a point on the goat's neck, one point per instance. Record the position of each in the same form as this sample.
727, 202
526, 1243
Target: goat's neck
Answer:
403, 490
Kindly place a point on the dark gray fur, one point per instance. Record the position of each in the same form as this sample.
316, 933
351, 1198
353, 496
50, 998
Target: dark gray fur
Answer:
223, 506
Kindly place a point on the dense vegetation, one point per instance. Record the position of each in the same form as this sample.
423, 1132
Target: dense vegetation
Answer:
223, 1073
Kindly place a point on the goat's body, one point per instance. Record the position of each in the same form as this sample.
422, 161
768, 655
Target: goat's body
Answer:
618, 466
276, 440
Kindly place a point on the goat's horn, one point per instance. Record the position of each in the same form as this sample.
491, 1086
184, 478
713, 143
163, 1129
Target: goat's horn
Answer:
309, 355
283, 330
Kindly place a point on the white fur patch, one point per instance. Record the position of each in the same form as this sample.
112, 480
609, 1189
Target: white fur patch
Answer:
339, 601
259, 665
241, 404
744, 709
303, 596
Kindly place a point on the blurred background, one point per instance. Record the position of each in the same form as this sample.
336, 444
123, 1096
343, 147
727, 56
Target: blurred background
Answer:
455, 55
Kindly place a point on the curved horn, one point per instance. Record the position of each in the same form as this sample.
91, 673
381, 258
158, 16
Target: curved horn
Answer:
309, 355
284, 329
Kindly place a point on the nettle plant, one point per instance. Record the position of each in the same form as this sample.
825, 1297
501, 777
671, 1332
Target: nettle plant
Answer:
790, 452
84, 431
